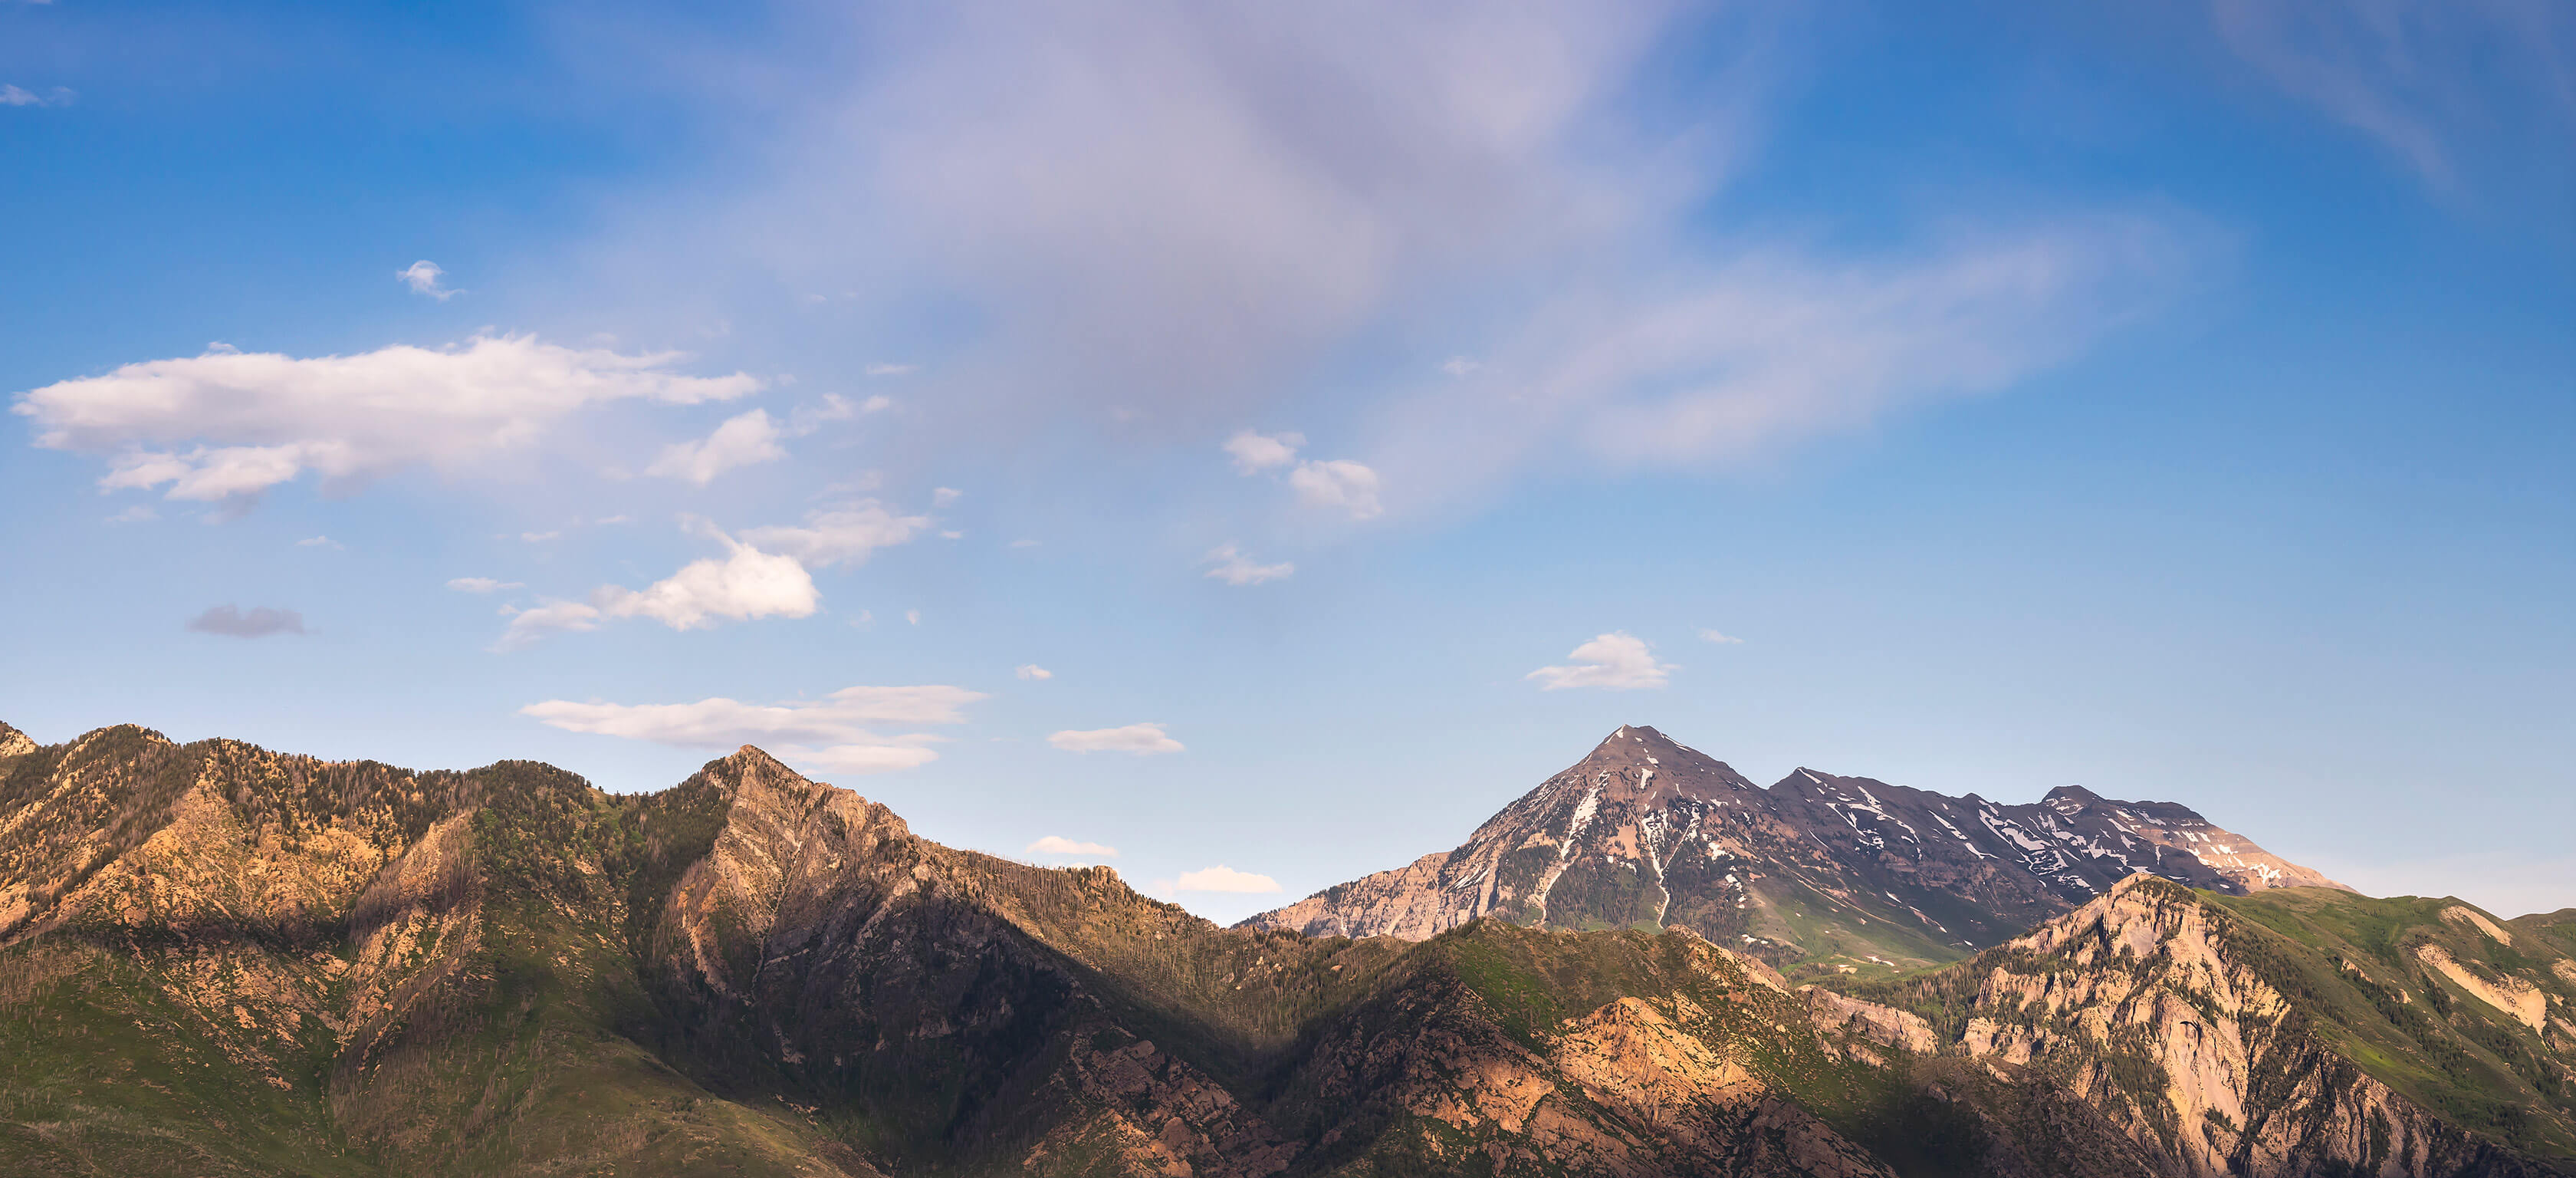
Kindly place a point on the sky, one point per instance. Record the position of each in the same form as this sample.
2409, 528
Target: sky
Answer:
1249, 444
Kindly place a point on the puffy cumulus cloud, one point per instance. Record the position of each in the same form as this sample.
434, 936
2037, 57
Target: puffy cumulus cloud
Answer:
841, 733
741, 441
480, 585
1339, 483
1619, 661
422, 277
744, 584
1140, 739
1235, 568
1059, 845
228, 424
1256, 452
257, 622
1219, 878
844, 534
1033, 671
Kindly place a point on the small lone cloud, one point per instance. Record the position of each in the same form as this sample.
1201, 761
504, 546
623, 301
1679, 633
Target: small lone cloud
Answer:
1618, 661
1235, 568
19, 96
1033, 671
1056, 844
539, 537
259, 622
1338, 483
1256, 452
1722, 639
913, 616
1024, 543
319, 542
882, 370
140, 513
1460, 366
1140, 739
943, 496
1219, 878
481, 585
422, 277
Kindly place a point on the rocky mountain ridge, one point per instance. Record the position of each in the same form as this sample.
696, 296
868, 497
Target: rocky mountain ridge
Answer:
1846, 872
219, 960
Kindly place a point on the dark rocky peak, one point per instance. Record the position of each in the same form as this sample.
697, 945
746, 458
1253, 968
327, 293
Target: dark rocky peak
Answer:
2067, 799
1638, 763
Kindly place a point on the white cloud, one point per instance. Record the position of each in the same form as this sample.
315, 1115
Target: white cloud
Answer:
1256, 452
943, 496
1059, 845
1218, 879
882, 370
551, 616
1619, 661
319, 542
845, 534
1239, 196
876, 404
1723, 639
1141, 739
1033, 671
1339, 483
480, 585
1235, 568
840, 733
913, 616
17, 96
137, 514
741, 441
232, 424
1459, 366
422, 277
1024, 543
539, 537
746, 583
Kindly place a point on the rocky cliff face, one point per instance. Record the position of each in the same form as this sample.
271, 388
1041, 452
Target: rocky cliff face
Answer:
1845, 872
219, 960
2226, 1048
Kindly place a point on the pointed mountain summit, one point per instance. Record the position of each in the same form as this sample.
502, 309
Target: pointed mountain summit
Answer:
1848, 872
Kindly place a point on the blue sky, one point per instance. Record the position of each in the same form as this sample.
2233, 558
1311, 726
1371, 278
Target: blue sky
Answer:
2178, 401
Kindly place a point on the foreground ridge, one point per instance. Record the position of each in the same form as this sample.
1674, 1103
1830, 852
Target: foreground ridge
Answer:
219, 960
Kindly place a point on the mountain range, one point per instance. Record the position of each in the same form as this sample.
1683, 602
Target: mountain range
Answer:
220, 960
1841, 873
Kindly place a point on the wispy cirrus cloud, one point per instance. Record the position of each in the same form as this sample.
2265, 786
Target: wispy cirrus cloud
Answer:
844, 732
